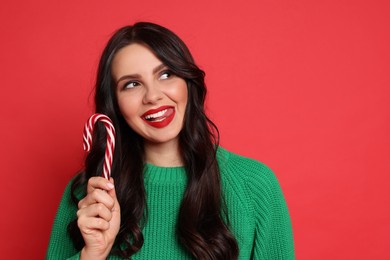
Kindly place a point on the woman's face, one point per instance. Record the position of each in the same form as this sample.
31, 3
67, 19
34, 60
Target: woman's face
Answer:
151, 99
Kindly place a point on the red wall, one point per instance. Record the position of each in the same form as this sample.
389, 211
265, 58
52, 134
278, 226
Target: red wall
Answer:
300, 85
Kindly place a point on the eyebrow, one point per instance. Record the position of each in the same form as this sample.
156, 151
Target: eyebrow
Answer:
137, 76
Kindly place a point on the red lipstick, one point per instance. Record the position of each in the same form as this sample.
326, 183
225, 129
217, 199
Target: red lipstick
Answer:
159, 117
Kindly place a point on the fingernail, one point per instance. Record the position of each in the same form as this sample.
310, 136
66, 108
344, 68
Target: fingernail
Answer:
110, 185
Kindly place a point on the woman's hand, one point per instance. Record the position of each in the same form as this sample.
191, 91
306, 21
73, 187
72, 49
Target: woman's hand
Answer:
98, 218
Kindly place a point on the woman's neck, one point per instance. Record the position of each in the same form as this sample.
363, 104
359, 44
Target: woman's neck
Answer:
163, 154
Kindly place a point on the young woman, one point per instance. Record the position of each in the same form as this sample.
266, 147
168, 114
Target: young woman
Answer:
177, 194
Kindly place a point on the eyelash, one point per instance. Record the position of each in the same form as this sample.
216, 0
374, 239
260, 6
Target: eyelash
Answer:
126, 85
168, 72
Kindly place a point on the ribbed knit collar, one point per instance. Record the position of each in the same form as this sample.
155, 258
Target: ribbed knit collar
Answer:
157, 174
178, 175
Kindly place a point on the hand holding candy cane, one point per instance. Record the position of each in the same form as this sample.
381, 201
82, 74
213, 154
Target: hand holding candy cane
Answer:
88, 130
99, 212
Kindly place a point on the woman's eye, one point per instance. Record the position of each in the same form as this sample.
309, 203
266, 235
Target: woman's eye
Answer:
165, 75
130, 84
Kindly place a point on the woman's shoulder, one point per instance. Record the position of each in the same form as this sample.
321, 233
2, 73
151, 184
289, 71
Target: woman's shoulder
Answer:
247, 174
252, 182
243, 168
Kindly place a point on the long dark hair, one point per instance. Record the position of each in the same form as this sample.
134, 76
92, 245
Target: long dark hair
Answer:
200, 227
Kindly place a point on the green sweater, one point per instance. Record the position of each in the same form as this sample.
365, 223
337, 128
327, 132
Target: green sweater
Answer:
258, 214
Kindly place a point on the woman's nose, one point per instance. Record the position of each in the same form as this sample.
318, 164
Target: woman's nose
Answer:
153, 94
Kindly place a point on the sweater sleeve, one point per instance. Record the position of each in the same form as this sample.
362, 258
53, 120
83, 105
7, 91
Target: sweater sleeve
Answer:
60, 244
273, 232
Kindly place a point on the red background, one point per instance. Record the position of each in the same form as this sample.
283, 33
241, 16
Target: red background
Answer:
301, 85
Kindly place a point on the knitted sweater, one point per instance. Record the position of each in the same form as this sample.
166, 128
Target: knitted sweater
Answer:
257, 211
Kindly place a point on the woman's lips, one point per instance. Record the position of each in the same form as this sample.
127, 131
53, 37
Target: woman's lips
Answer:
159, 117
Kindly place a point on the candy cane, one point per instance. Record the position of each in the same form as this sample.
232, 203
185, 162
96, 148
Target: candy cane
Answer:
87, 137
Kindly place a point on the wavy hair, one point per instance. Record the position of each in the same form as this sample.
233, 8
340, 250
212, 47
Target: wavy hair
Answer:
201, 228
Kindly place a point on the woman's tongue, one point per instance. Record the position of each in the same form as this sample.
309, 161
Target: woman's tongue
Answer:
159, 116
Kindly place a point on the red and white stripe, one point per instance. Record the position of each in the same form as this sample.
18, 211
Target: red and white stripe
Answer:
87, 138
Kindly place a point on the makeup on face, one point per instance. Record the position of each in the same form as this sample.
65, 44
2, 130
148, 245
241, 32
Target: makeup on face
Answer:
150, 97
159, 117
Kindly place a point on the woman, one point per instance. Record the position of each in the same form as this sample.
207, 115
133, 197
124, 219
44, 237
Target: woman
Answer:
177, 194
